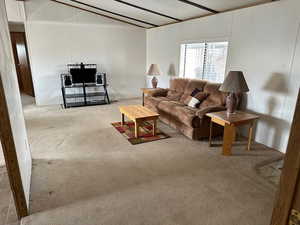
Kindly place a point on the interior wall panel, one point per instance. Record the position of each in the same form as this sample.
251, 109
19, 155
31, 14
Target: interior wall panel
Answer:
13, 99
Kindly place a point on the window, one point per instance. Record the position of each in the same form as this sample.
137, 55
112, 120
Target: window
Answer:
205, 61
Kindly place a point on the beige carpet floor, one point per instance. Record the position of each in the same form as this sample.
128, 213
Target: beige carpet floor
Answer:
8, 215
86, 173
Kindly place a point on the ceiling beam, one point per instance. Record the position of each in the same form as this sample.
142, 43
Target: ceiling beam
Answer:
96, 13
147, 10
199, 6
116, 14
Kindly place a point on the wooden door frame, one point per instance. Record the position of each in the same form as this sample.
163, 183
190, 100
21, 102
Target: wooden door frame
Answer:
11, 159
15, 54
290, 174
16, 60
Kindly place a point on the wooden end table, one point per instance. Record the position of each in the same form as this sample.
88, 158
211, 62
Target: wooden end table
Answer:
139, 114
230, 123
147, 91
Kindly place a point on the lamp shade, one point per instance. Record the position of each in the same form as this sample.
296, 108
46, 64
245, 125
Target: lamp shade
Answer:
154, 70
235, 83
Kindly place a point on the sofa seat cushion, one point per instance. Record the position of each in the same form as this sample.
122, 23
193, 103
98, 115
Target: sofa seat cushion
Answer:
180, 112
154, 101
174, 95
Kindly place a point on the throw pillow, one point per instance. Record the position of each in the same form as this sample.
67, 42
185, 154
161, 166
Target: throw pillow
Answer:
201, 96
195, 91
186, 100
174, 95
193, 102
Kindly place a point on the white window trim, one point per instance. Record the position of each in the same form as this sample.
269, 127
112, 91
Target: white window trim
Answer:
207, 40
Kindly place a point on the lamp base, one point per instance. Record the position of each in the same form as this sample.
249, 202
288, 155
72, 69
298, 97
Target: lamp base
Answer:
231, 102
154, 82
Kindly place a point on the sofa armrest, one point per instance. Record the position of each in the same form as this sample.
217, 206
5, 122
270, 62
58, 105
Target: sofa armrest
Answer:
159, 92
201, 113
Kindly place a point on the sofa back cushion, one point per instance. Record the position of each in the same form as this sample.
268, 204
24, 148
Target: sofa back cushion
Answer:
215, 98
174, 95
178, 84
201, 96
193, 84
181, 89
186, 87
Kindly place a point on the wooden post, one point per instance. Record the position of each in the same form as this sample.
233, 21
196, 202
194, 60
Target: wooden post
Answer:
228, 139
10, 155
136, 129
210, 132
123, 119
154, 127
250, 134
290, 176
143, 104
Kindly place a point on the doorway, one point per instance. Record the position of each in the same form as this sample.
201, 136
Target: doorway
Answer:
20, 52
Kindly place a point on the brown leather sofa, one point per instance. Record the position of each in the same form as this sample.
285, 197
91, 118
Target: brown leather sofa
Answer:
192, 122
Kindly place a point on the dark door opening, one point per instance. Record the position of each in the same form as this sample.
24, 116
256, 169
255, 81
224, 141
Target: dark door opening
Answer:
21, 58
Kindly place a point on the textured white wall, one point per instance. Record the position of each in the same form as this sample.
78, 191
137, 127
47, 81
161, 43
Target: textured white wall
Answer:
15, 11
118, 49
263, 44
10, 83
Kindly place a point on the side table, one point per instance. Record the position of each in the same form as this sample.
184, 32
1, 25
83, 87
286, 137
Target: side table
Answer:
147, 91
230, 123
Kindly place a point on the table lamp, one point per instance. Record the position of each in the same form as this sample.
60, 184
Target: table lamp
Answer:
234, 84
154, 71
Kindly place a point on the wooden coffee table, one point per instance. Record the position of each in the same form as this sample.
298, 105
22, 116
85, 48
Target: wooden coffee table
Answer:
139, 114
230, 123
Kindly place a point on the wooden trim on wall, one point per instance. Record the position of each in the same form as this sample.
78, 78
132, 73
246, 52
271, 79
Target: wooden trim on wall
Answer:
10, 155
212, 14
25, 85
99, 14
147, 10
290, 174
199, 6
114, 13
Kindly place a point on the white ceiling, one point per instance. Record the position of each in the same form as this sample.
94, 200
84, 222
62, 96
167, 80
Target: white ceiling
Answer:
48, 11
173, 8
